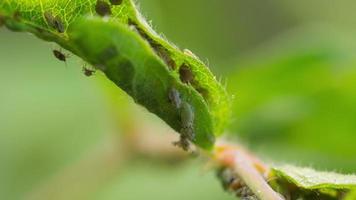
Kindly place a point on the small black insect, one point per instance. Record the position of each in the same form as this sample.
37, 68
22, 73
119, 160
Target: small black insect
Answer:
54, 22
59, 55
58, 25
115, 2
102, 8
88, 72
185, 74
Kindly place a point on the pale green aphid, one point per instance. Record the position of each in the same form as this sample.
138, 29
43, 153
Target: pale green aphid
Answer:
187, 134
187, 120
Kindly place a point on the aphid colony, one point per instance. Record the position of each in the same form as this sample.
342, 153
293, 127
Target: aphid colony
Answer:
232, 183
186, 113
102, 8
60, 56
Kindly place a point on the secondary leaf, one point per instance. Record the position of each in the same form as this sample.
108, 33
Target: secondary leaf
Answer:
133, 56
308, 183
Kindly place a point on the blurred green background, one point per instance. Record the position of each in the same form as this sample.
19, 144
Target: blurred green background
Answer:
291, 66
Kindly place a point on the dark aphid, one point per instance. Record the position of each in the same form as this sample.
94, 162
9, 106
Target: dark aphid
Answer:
174, 97
115, 2
232, 183
88, 72
185, 74
102, 8
226, 177
59, 55
58, 24
54, 22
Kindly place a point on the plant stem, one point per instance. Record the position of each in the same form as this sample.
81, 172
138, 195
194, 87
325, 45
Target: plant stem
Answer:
248, 169
253, 179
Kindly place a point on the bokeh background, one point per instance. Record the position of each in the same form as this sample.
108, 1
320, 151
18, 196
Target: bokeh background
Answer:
291, 66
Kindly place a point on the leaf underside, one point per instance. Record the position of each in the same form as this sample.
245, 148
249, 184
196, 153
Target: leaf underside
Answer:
138, 60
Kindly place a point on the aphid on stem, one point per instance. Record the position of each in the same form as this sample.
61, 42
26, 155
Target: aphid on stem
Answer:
88, 72
102, 8
232, 183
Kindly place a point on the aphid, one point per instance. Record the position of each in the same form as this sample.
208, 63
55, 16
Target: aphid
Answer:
102, 8
115, 2
174, 97
59, 55
187, 121
185, 74
88, 72
226, 177
54, 22
164, 54
245, 193
187, 133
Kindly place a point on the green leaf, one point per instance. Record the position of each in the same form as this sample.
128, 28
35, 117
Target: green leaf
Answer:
307, 182
134, 57
351, 195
